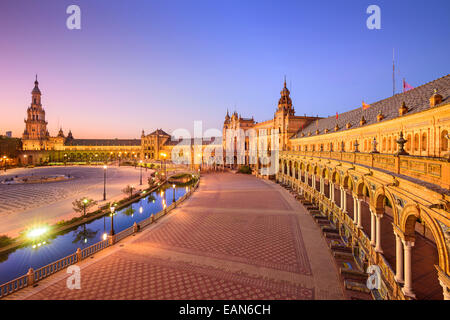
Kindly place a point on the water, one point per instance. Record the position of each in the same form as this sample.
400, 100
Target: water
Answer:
17, 263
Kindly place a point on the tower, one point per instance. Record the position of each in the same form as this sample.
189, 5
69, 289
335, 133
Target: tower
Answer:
35, 134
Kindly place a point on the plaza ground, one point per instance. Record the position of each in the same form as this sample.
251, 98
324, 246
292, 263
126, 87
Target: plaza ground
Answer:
237, 237
24, 205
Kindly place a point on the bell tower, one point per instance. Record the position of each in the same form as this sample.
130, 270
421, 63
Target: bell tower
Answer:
35, 133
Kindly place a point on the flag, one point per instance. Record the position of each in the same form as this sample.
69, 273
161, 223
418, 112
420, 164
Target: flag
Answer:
406, 86
337, 116
365, 106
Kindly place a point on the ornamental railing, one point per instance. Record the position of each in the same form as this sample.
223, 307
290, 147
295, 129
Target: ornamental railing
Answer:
430, 169
33, 276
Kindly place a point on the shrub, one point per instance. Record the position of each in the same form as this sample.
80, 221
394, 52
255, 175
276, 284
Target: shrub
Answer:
245, 169
5, 240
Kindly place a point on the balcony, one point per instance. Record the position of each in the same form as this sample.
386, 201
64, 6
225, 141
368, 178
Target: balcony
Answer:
432, 170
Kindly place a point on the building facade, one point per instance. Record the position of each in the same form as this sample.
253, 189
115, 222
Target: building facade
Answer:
381, 175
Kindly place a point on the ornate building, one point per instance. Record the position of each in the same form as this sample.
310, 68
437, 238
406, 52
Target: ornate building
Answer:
39, 147
285, 122
381, 175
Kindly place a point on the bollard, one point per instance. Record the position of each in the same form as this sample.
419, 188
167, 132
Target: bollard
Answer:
79, 254
135, 228
30, 277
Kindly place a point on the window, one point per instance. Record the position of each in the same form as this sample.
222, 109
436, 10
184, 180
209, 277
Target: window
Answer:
444, 140
424, 142
408, 142
416, 142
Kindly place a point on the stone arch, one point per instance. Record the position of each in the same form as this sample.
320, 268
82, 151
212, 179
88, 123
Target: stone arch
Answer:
335, 177
411, 213
359, 189
378, 203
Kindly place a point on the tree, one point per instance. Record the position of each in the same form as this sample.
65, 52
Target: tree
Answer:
128, 190
80, 205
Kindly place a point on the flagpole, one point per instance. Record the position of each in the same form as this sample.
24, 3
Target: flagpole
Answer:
393, 72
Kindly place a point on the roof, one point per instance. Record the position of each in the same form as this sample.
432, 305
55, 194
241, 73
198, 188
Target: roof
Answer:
160, 132
104, 142
416, 100
206, 141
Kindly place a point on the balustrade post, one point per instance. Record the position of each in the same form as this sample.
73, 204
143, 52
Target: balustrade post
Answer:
30, 277
79, 257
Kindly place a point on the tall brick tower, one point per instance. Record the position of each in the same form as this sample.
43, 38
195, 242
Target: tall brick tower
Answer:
35, 135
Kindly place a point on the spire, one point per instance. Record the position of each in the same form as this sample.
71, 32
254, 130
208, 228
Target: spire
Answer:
36, 87
284, 81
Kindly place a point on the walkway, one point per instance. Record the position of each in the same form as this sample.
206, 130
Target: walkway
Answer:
238, 237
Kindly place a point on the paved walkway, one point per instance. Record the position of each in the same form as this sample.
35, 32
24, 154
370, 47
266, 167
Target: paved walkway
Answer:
238, 237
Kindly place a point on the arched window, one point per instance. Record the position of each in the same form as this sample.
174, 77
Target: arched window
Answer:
424, 142
408, 143
444, 140
416, 142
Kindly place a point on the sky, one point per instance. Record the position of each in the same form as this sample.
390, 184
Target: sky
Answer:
151, 64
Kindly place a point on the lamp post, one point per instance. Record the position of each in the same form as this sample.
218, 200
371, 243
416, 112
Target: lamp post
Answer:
140, 177
112, 208
104, 182
85, 201
173, 188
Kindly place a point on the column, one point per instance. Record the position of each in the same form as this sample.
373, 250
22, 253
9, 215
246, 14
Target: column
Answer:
399, 258
355, 210
313, 181
372, 227
359, 214
321, 185
407, 288
331, 192
344, 200
378, 238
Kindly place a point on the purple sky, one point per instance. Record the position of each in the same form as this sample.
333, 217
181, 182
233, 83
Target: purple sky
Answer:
145, 64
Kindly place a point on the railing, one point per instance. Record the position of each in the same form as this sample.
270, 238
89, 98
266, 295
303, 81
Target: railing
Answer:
13, 285
34, 276
53, 267
429, 169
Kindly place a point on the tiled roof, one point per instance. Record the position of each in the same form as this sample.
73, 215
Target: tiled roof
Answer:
416, 100
104, 142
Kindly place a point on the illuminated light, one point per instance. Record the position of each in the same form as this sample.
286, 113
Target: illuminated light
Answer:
173, 186
85, 201
153, 201
105, 236
104, 167
39, 244
144, 191
141, 210
37, 232
44, 242
85, 240
34, 246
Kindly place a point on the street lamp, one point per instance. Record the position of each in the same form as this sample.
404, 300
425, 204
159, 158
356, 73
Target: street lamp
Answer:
104, 182
112, 208
173, 188
140, 177
85, 201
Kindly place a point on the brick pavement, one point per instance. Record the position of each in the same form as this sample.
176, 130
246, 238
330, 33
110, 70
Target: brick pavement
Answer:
238, 237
